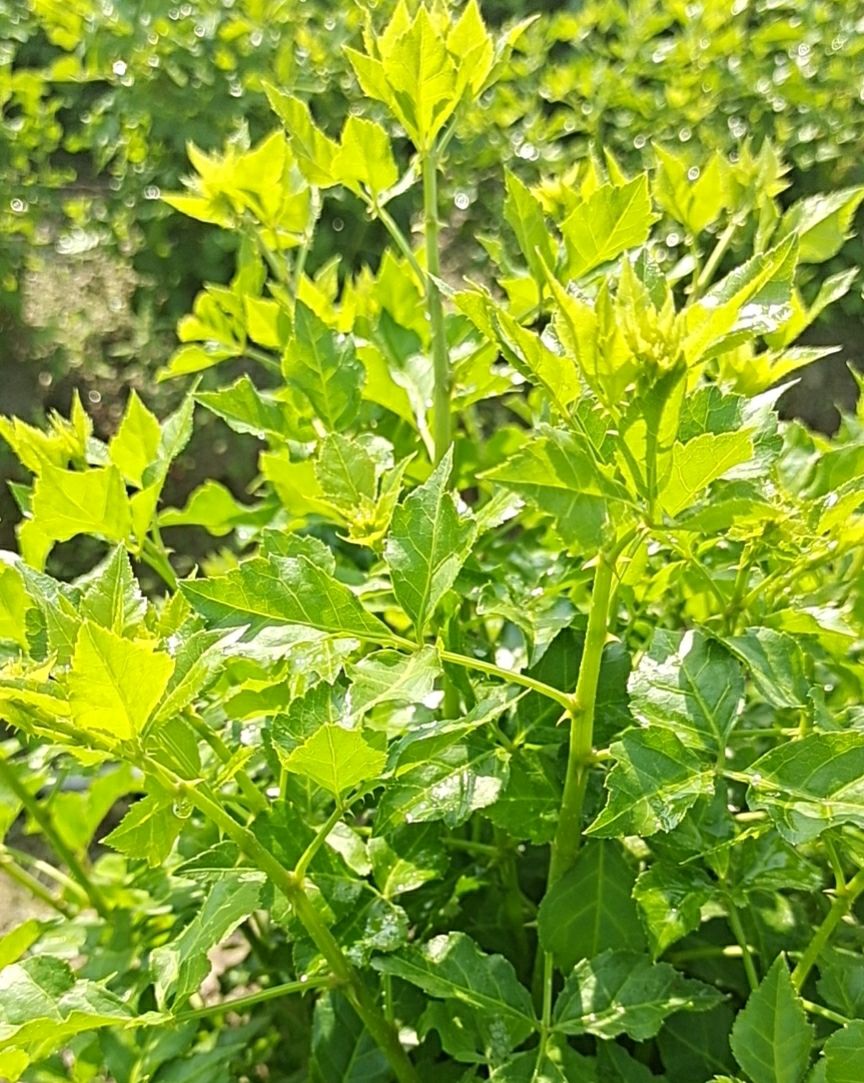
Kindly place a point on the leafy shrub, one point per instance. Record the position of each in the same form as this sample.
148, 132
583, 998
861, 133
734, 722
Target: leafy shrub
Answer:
514, 731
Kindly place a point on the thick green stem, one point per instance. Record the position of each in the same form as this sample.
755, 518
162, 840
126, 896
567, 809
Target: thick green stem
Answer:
382, 1032
40, 817
841, 906
434, 304
568, 835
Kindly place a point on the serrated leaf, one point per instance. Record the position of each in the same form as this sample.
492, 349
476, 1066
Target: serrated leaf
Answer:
771, 1038
323, 366
697, 463
136, 443
283, 590
179, 967
338, 759
821, 223
391, 677
147, 831
115, 683
697, 1046
530, 803
620, 992
112, 596
689, 684
810, 785
611, 220
71, 502
776, 664
841, 981
590, 908
428, 543
552, 1062
524, 213
452, 967
671, 898
655, 780
246, 410
407, 858
844, 1054
365, 156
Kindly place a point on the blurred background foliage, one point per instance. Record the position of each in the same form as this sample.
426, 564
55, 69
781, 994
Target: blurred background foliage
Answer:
100, 98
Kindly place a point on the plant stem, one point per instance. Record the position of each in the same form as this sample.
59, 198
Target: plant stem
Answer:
238, 1004
826, 1013
315, 845
250, 791
841, 906
399, 239
382, 1032
30, 884
564, 698
707, 273
568, 835
440, 356
741, 938
40, 817
158, 561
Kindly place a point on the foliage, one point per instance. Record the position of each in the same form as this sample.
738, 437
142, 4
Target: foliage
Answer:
511, 728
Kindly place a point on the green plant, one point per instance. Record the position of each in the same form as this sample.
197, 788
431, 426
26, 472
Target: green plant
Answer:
516, 722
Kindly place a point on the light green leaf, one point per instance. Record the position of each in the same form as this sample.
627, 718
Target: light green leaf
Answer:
391, 677
283, 590
135, 444
810, 785
754, 298
655, 780
313, 150
147, 831
422, 78
70, 502
689, 684
112, 596
365, 156
213, 507
179, 967
346, 473
115, 683
324, 368
524, 213
196, 663
43, 1006
590, 908
557, 470
452, 967
699, 462
844, 1054
428, 543
246, 410
407, 858
620, 992
17, 941
841, 981
697, 201
771, 1038
821, 223
610, 221
338, 759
